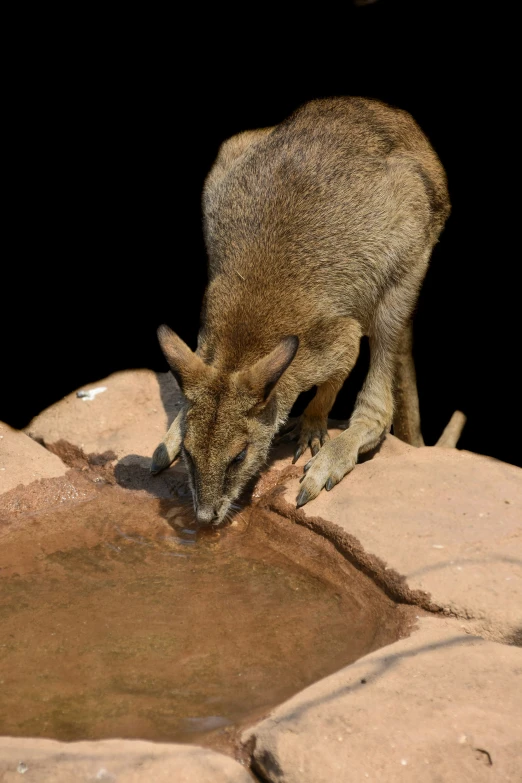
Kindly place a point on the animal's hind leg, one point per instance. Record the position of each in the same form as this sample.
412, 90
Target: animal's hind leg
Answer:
169, 448
406, 417
372, 416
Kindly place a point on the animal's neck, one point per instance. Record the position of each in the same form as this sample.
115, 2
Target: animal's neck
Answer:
242, 323
245, 316
238, 339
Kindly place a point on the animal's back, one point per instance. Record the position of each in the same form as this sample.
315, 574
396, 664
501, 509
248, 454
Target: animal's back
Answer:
333, 204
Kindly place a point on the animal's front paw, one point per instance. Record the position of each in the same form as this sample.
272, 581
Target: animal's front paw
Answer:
326, 469
308, 432
312, 433
169, 448
160, 459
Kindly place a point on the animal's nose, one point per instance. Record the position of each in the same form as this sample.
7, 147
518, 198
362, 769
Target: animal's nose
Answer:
206, 515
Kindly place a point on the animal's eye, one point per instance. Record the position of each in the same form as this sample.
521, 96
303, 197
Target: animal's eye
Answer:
239, 457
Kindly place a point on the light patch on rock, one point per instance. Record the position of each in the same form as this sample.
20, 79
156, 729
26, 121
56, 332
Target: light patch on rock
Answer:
90, 394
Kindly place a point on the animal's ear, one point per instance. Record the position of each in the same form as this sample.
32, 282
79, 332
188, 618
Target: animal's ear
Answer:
187, 368
262, 377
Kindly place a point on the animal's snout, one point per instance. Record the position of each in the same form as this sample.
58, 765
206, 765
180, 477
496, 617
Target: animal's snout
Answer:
207, 515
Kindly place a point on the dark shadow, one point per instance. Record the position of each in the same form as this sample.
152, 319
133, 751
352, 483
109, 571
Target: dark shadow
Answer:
515, 638
171, 396
301, 402
371, 453
133, 472
347, 395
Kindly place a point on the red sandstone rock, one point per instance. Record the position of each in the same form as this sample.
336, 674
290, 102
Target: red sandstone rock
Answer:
130, 417
449, 521
438, 706
22, 460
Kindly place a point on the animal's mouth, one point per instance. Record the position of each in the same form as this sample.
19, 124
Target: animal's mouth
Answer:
228, 510
210, 518
225, 511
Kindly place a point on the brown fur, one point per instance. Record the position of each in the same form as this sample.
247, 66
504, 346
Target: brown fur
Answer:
318, 231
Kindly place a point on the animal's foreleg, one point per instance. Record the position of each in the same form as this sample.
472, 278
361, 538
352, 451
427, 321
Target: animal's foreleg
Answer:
169, 448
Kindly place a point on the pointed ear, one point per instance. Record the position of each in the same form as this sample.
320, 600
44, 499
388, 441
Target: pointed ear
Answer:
262, 376
187, 368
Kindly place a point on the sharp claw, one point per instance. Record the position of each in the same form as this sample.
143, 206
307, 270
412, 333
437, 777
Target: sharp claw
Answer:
329, 484
302, 498
299, 450
314, 449
308, 465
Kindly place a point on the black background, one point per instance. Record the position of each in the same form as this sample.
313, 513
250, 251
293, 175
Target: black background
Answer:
114, 123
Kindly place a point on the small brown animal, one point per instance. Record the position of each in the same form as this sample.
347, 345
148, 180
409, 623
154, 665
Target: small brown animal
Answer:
318, 231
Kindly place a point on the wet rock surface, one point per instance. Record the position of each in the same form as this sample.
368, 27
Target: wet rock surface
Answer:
438, 530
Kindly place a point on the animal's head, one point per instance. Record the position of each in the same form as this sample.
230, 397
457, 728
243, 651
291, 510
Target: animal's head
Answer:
229, 421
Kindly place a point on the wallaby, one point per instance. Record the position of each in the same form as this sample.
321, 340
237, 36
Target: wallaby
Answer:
318, 231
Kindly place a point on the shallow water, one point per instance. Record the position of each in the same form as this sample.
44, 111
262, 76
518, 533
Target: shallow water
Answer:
164, 633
